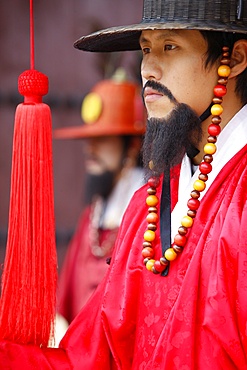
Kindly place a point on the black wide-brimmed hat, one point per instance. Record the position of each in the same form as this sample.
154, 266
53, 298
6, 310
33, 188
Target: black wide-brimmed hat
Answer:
208, 15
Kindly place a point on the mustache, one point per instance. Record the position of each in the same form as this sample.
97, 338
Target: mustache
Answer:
160, 88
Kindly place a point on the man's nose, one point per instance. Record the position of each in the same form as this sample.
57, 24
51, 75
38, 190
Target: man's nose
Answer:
151, 69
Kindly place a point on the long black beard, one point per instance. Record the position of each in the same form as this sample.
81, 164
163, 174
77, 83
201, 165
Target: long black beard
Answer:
100, 185
167, 139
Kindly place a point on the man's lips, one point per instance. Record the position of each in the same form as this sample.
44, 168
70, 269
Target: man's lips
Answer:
151, 94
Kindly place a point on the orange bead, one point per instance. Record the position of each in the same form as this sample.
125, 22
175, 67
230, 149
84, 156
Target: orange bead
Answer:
187, 221
152, 217
149, 235
180, 240
224, 71
170, 254
147, 252
216, 110
199, 185
152, 200
150, 264
210, 148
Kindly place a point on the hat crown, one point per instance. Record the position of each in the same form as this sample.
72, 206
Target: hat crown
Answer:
122, 107
112, 107
225, 11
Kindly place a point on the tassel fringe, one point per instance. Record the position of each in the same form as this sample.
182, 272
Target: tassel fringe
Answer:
27, 306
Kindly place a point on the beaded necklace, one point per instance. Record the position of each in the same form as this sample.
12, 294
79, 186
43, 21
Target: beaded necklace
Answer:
205, 167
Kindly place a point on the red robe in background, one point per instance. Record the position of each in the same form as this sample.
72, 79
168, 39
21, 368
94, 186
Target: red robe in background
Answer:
194, 319
85, 262
82, 270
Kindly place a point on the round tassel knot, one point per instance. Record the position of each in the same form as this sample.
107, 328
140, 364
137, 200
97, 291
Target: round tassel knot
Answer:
33, 83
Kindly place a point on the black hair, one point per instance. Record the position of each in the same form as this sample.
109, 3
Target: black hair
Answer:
216, 40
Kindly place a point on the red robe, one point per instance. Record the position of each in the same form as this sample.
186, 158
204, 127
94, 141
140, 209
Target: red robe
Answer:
194, 319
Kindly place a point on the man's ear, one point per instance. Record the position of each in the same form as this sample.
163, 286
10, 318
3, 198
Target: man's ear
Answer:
238, 58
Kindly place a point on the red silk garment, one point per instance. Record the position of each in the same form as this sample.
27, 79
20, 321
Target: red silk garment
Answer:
194, 319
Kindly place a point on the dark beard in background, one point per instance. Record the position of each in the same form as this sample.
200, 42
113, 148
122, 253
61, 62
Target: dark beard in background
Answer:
101, 185
167, 139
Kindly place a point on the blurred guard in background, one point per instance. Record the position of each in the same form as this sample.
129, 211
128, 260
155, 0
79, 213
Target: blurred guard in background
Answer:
114, 122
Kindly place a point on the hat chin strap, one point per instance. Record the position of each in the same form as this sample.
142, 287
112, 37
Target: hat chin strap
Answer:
193, 151
207, 113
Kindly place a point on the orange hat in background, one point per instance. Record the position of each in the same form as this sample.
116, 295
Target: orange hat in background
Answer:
113, 107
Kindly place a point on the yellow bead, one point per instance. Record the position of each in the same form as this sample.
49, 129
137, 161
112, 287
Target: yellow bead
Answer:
199, 185
170, 254
149, 235
150, 264
224, 71
152, 200
210, 148
187, 221
216, 110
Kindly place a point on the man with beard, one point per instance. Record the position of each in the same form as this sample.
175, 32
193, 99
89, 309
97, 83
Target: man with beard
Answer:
175, 294
111, 150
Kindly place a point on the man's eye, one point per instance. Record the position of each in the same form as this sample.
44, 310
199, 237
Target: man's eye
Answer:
169, 47
145, 50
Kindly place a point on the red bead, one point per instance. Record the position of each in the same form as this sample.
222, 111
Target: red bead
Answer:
153, 269
158, 266
193, 204
214, 130
154, 182
180, 240
220, 90
205, 167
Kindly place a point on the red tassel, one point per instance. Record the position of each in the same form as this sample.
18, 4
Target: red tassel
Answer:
27, 309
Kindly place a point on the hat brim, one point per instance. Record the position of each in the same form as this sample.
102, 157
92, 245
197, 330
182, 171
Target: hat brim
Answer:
87, 131
126, 38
